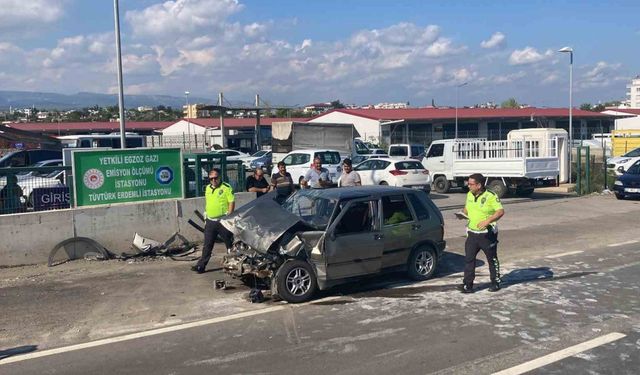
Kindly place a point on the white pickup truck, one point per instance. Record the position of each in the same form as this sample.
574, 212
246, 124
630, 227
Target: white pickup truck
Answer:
508, 165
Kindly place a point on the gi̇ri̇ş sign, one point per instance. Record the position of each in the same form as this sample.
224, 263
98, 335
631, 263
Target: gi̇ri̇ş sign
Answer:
130, 175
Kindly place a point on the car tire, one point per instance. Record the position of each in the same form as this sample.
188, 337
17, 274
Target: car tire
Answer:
422, 263
384, 183
296, 281
441, 185
619, 196
498, 187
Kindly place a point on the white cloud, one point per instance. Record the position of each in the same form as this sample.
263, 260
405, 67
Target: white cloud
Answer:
529, 55
26, 14
181, 18
497, 40
443, 47
601, 75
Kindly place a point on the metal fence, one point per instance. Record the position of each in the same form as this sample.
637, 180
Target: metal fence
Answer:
34, 189
31, 189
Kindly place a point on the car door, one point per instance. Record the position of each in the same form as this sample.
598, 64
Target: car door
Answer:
380, 173
398, 225
428, 226
365, 170
353, 244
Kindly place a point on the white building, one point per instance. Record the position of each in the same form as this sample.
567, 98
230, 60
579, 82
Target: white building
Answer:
626, 118
633, 95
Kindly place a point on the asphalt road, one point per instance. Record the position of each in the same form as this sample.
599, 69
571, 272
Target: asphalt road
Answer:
551, 302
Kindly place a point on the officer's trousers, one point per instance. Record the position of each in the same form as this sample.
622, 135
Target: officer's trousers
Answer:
212, 229
487, 242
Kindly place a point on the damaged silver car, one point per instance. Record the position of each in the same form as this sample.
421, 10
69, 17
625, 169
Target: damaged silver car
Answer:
321, 238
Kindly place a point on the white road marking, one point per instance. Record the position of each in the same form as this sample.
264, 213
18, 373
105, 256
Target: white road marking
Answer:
564, 254
623, 243
562, 354
158, 331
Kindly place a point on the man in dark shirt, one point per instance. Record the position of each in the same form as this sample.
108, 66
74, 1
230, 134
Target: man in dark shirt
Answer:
257, 183
282, 183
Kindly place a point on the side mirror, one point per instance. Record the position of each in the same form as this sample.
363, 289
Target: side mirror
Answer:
621, 169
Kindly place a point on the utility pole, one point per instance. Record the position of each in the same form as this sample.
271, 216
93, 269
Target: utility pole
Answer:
257, 130
123, 136
220, 99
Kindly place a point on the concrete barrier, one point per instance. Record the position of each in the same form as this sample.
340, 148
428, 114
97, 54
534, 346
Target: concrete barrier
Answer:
28, 238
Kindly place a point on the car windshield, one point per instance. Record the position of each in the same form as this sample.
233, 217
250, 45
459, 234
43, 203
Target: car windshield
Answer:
259, 153
398, 151
329, 157
633, 153
311, 207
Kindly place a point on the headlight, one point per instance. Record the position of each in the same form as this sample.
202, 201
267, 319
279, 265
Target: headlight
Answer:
618, 183
622, 161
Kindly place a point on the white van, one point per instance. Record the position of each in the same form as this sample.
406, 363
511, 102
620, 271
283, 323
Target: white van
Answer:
101, 140
406, 151
299, 162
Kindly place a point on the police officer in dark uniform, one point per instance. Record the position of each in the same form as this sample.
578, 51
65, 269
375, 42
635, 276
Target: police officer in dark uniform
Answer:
483, 209
219, 201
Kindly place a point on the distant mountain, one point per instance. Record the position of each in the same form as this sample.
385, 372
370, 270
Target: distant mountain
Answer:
45, 100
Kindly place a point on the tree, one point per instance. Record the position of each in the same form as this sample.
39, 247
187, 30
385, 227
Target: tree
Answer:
585, 106
336, 104
510, 103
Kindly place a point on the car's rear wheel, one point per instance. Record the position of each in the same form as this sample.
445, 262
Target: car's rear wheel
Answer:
498, 187
384, 183
422, 263
619, 196
296, 281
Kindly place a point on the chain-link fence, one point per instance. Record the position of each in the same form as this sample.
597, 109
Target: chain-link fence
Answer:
34, 189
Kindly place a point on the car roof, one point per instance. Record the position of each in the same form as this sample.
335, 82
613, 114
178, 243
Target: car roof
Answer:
312, 151
353, 192
391, 160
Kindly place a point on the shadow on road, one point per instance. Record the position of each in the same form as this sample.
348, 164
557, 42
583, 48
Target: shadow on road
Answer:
17, 351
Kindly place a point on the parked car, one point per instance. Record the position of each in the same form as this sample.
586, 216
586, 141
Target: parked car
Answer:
232, 155
628, 184
360, 158
392, 172
406, 151
625, 161
25, 158
377, 151
299, 162
321, 238
40, 180
260, 159
44, 163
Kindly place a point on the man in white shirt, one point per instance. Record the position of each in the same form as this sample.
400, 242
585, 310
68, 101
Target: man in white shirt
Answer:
348, 177
316, 177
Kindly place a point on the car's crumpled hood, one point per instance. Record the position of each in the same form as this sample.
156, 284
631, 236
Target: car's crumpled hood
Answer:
260, 222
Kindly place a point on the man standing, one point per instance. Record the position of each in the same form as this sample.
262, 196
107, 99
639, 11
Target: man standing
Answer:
219, 201
257, 183
483, 209
282, 183
348, 177
316, 177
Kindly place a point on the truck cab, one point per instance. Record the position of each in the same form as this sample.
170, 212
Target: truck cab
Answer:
406, 151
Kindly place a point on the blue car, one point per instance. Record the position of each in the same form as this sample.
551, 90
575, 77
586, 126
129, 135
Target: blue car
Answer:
628, 185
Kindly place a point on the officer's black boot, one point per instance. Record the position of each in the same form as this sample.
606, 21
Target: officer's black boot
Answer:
465, 288
495, 286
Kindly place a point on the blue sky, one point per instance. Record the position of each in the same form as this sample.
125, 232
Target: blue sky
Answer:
299, 52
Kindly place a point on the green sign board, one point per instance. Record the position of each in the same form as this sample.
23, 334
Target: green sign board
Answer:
129, 175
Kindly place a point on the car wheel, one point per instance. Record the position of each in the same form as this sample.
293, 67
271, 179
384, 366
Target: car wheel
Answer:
384, 183
296, 281
498, 187
422, 263
619, 196
441, 184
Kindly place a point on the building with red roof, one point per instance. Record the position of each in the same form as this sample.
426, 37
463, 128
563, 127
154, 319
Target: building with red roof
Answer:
423, 125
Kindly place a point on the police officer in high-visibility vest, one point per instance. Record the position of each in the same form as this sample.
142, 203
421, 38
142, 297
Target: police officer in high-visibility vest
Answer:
219, 201
483, 209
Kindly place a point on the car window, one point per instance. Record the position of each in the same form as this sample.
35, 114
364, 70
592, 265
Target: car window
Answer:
313, 209
380, 164
422, 212
634, 169
358, 159
404, 165
436, 150
357, 219
398, 151
328, 157
395, 210
367, 165
633, 153
297, 159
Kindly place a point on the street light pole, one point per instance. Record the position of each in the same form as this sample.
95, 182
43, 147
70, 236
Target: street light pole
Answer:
186, 99
570, 51
457, 89
123, 136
